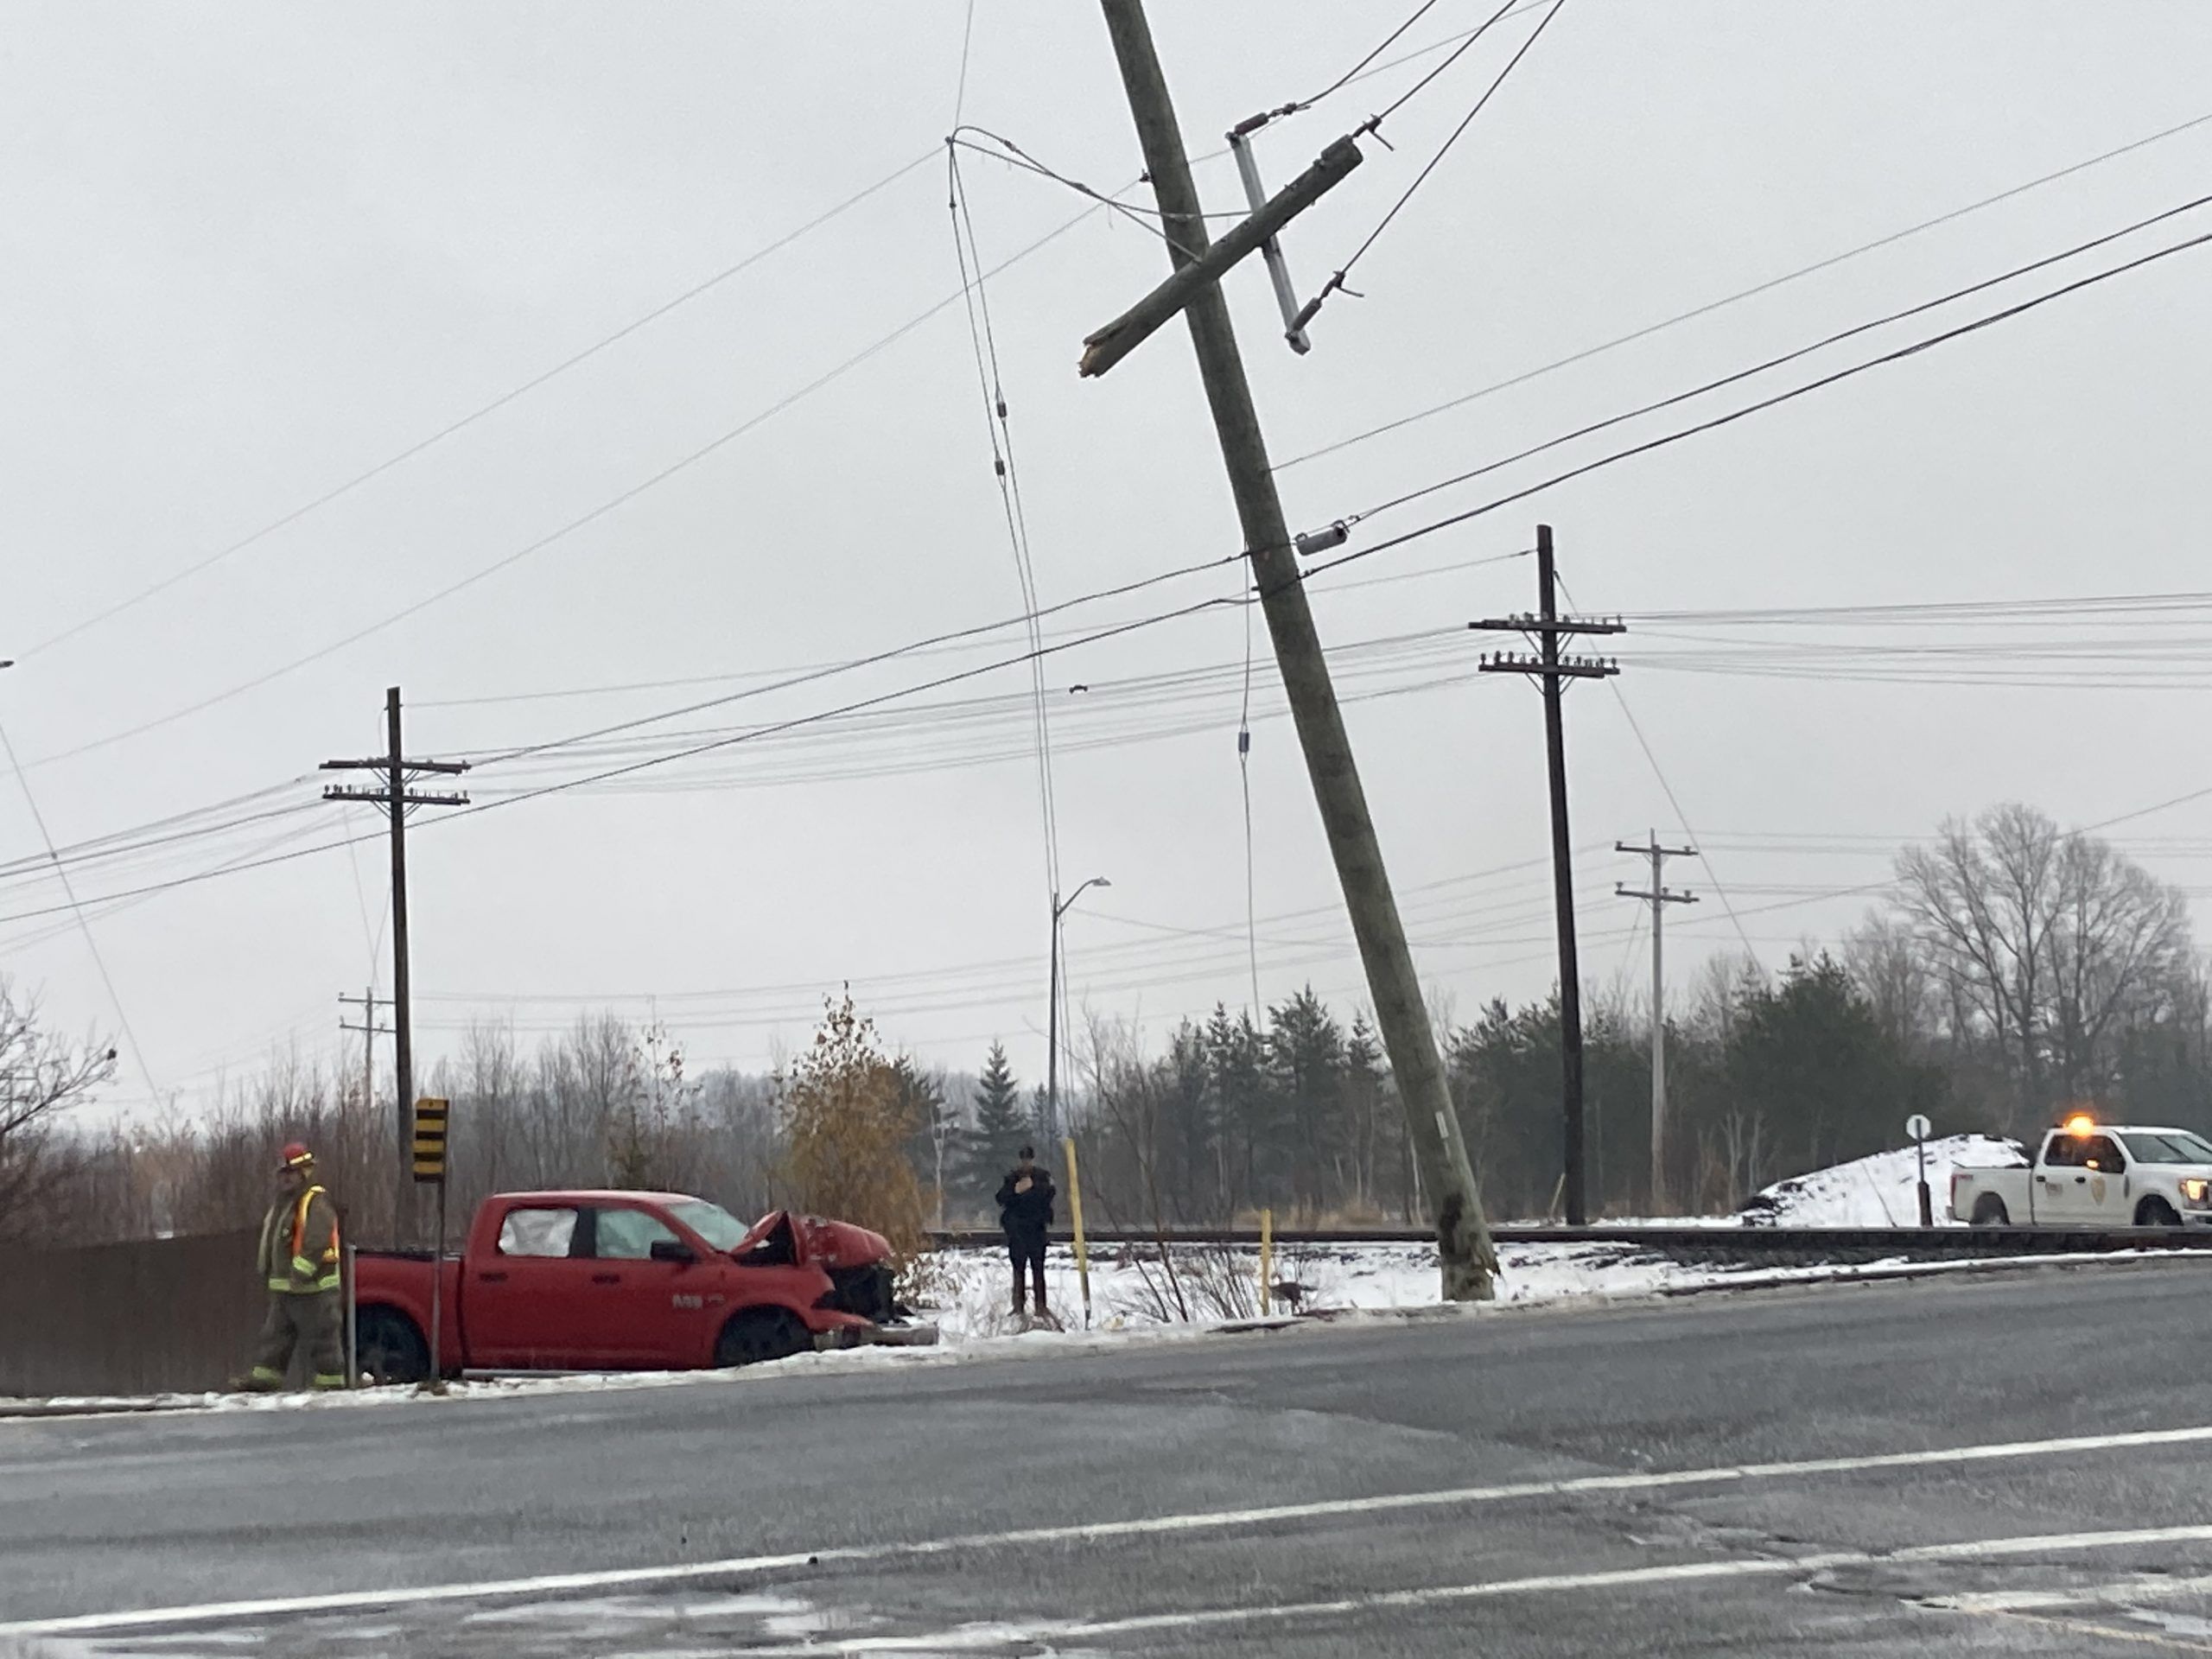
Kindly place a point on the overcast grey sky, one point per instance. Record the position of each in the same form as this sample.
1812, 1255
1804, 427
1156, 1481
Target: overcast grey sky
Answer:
249, 252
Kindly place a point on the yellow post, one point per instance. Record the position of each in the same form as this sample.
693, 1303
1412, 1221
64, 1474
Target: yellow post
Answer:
1075, 1216
1266, 1255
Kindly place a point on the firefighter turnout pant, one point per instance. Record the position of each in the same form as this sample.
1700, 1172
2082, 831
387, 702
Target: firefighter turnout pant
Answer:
313, 1320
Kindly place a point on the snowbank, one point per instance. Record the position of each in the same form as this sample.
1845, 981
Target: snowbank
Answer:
1881, 1191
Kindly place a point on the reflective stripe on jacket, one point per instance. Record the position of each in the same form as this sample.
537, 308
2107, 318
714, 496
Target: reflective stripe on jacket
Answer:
290, 1259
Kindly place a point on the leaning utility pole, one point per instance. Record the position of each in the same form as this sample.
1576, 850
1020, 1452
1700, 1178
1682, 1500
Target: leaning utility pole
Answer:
1658, 898
370, 1031
1469, 1262
395, 797
1548, 628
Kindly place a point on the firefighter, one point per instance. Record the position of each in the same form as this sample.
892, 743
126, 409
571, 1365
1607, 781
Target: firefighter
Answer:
300, 1263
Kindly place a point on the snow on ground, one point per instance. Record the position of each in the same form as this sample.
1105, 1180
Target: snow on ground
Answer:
1881, 1191
1356, 1281
967, 1293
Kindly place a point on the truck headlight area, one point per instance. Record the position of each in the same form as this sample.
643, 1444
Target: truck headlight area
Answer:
2197, 1192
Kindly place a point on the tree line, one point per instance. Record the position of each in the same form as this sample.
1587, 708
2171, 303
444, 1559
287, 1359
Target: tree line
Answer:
2014, 971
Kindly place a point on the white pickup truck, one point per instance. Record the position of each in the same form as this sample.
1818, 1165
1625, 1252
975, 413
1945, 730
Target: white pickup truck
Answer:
2091, 1175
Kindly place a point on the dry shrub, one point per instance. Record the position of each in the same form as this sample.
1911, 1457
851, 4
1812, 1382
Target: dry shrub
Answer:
846, 1124
1179, 1282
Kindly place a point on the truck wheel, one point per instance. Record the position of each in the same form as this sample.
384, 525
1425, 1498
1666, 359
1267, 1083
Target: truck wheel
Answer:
388, 1347
762, 1333
2155, 1212
1989, 1212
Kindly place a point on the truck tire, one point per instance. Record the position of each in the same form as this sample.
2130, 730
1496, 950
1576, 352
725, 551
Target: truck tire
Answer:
2155, 1212
756, 1334
388, 1347
1989, 1212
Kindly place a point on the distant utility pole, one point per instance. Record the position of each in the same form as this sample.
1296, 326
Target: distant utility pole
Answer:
1658, 898
396, 798
1546, 629
1468, 1260
370, 1031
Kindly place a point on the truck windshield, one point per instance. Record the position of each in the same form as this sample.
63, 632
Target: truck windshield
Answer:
2166, 1147
721, 1231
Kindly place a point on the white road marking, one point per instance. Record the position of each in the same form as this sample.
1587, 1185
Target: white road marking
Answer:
2108, 1632
985, 1638
2140, 1586
1099, 1531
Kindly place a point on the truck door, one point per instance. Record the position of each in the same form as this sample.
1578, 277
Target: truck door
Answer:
646, 1313
2091, 1190
518, 1301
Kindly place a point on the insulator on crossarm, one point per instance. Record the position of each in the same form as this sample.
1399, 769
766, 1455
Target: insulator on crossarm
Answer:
1311, 541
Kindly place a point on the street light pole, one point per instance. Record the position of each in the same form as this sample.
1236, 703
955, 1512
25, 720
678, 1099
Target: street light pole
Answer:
1052, 1015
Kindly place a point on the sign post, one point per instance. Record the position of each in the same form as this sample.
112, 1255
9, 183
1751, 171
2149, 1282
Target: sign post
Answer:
1916, 1126
1075, 1215
430, 1170
1267, 1256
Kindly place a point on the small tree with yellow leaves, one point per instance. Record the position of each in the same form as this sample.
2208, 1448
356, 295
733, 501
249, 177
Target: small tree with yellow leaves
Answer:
847, 1123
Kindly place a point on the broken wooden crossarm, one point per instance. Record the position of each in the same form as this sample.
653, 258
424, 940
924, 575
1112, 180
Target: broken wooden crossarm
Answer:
1103, 350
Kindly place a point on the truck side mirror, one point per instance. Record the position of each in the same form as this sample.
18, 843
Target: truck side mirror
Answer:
673, 1249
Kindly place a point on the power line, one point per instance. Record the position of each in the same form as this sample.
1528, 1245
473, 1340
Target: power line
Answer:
568, 529
991, 386
1669, 439
966, 41
1467, 515
1681, 819
122, 1018
1336, 282
1353, 74
476, 415
1504, 11
1752, 292
1792, 356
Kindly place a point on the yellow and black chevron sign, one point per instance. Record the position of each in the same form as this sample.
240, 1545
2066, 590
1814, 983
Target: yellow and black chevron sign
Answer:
430, 1140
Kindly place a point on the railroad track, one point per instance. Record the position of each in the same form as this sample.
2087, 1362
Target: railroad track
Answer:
1775, 1246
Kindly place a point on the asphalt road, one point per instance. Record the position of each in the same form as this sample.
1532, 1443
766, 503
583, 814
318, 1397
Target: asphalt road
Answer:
1532, 1483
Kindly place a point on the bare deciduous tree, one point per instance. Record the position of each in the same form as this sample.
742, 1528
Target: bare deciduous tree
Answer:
2044, 946
41, 1076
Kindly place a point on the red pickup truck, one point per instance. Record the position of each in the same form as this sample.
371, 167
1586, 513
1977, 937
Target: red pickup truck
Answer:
590, 1280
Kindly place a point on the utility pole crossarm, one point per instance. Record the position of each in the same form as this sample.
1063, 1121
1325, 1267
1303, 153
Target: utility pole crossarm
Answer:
1109, 344
383, 797
1664, 896
383, 763
1562, 626
1563, 668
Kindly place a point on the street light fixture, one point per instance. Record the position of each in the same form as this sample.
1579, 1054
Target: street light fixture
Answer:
1060, 907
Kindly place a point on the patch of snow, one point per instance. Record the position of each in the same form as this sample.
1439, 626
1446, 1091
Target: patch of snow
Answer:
971, 1302
1880, 1191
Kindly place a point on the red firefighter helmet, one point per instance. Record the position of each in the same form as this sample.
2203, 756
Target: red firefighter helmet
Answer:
295, 1156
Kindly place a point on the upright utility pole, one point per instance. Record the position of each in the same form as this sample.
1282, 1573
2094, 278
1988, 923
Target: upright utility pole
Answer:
1548, 628
1053, 1127
396, 798
370, 1031
1658, 898
1469, 1262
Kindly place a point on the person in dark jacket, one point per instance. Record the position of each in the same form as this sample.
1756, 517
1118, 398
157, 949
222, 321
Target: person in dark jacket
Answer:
1026, 1213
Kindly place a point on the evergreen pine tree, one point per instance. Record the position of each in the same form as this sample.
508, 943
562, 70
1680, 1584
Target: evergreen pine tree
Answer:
1003, 1126
1305, 1069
